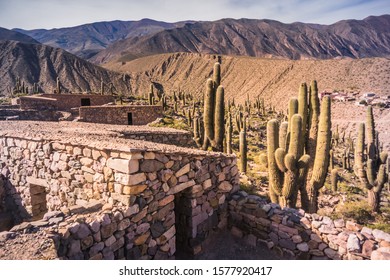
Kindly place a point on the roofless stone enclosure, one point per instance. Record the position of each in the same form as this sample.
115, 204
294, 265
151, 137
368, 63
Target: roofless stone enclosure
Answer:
157, 199
91, 108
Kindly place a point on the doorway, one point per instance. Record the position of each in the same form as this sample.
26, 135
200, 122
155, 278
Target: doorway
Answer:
130, 118
85, 102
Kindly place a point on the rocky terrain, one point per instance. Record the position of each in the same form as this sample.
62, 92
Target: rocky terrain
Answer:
36, 63
88, 39
369, 37
275, 80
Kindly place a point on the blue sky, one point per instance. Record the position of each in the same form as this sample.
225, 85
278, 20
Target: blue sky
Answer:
32, 14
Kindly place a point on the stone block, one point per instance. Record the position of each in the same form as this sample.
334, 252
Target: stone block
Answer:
130, 180
151, 165
181, 187
184, 170
125, 166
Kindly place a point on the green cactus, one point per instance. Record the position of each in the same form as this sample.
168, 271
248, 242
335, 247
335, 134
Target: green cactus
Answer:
334, 179
331, 160
229, 134
214, 112
286, 167
298, 160
243, 150
336, 136
345, 159
370, 168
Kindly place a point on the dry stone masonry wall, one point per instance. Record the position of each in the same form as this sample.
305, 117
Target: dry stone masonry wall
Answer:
129, 114
298, 235
153, 202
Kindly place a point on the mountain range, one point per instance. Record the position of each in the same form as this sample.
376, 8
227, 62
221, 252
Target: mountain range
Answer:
125, 40
88, 39
43, 55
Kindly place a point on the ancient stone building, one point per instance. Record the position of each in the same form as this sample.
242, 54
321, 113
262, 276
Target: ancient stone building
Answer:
125, 115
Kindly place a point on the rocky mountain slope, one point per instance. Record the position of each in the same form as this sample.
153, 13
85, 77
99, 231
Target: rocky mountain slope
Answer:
6, 34
273, 79
36, 63
88, 39
262, 38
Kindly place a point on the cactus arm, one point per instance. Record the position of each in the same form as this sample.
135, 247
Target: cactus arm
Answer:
283, 135
280, 155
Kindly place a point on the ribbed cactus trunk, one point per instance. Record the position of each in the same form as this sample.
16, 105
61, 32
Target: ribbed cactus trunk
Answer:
286, 168
229, 134
214, 112
334, 178
370, 168
219, 119
317, 174
208, 113
243, 152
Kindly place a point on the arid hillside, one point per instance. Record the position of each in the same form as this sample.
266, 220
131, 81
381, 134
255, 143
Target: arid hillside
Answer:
276, 80
36, 63
369, 37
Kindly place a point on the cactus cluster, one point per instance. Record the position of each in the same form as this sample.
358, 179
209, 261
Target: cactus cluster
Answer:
298, 150
213, 115
370, 163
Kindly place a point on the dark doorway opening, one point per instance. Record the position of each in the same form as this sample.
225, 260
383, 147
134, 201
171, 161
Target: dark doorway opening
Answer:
85, 102
130, 118
38, 201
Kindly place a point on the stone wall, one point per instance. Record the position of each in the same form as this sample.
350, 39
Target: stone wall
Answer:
155, 202
182, 139
61, 102
298, 235
140, 114
31, 115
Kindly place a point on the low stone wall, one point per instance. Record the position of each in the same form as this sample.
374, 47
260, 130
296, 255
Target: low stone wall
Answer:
31, 115
182, 139
160, 200
140, 114
62, 102
298, 235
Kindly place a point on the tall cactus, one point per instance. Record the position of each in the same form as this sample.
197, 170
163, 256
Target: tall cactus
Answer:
214, 112
370, 167
298, 159
334, 179
243, 150
229, 134
286, 167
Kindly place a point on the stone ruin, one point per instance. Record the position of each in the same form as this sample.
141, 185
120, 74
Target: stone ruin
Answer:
104, 197
145, 200
82, 107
